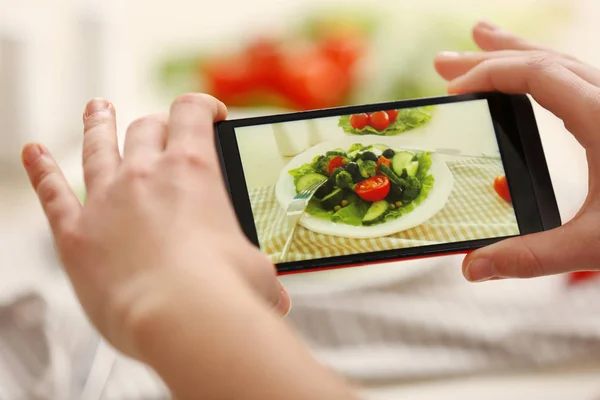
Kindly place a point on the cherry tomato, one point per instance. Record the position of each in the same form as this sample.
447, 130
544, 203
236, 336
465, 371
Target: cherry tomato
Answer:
501, 187
380, 120
384, 161
393, 114
335, 163
373, 189
359, 121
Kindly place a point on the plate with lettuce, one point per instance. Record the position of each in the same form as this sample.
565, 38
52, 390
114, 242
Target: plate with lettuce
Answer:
372, 188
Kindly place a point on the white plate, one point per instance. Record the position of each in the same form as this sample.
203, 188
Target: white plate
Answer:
435, 201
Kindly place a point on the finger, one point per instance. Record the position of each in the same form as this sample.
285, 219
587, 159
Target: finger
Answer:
191, 122
100, 147
284, 305
554, 87
262, 276
146, 137
451, 65
60, 204
571, 247
491, 37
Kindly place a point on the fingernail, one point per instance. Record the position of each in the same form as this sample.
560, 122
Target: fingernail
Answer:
94, 106
479, 270
449, 54
31, 153
285, 303
484, 23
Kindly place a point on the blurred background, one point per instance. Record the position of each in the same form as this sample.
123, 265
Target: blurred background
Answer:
274, 56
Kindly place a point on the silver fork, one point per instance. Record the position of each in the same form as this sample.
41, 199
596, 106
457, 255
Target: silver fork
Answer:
295, 210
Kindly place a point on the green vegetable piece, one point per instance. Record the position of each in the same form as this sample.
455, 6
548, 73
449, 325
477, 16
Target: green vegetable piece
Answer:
308, 180
376, 213
412, 168
325, 189
355, 148
424, 165
336, 152
412, 189
333, 199
401, 160
368, 169
321, 165
299, 172
385, 170
353, 213
344, 180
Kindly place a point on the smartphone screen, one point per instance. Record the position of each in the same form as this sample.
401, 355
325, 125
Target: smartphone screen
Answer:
378, 181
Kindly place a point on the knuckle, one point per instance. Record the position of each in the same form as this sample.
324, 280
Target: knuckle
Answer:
97, 119
136, 173
540, 60
148, 120
71, 237
200, 99
46, 190
188, 158
529, 264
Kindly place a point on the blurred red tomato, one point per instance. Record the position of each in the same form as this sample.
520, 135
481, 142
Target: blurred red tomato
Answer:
227, 78
264, 58
380, 120
311, 81
581, 276
359, 121
343, 49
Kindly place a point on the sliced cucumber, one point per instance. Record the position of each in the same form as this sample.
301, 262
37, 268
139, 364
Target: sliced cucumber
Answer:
401, 160
412, 168
308, 180
385, 170
333, 199
376, 212
336, 152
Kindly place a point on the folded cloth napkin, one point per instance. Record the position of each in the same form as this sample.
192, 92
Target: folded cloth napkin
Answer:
49, 351
438, 325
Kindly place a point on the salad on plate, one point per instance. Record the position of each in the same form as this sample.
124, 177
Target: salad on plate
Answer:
365, 185
386, 123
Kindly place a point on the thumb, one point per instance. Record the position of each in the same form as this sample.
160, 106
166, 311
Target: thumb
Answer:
572, 247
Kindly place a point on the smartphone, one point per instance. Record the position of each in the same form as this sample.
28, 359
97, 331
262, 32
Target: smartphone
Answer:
372, 183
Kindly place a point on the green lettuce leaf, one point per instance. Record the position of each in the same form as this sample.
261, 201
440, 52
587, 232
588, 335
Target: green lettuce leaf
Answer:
353, 213
427, 186
314, 208
424, 166
408, 119
299, 172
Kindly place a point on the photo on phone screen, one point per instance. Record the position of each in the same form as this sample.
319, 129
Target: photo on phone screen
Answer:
392, 179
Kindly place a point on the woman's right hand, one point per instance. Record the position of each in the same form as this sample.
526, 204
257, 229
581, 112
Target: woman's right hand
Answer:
571, 90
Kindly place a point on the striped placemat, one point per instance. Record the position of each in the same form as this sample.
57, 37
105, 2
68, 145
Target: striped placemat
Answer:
473, 211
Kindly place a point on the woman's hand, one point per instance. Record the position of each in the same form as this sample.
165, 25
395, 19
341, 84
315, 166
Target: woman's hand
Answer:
156, 219
571, 90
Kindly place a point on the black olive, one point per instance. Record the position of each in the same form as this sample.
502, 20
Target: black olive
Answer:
352, 168
389, 153
369, 156
324, 190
